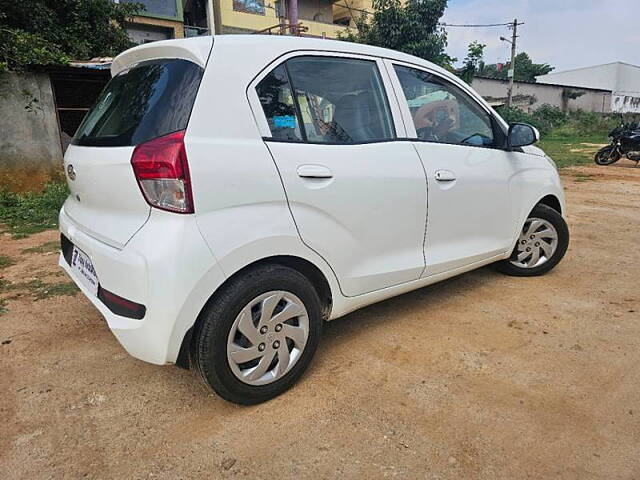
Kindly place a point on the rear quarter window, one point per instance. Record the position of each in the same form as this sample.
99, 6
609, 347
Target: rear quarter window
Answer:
146, 101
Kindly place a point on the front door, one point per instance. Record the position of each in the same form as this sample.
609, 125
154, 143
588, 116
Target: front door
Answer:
357, 195
470, 213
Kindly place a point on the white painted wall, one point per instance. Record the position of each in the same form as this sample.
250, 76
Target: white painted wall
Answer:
530, 96
622, 79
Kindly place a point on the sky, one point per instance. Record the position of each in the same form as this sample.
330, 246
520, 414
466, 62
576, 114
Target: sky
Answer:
564, 33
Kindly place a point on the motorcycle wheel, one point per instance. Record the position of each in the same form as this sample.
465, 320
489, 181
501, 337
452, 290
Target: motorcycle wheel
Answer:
607, 155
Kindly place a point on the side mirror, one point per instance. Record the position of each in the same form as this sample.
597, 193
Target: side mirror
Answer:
521, 135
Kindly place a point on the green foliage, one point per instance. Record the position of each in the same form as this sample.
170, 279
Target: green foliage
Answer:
589, 124
44, 248
569, 138
525, 71
50, 32
20, 49
568, 150
472, 62
545, 118
6, 261
32, 212
40, 290
410, 26
550, 120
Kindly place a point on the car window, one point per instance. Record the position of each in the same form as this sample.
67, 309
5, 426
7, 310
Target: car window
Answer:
340, 100
146, 101
276, 98
442, 112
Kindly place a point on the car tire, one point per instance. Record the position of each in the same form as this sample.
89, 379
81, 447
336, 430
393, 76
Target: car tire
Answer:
220, 334
535, 239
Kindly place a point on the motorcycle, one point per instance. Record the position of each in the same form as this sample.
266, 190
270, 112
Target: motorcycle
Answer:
625, 142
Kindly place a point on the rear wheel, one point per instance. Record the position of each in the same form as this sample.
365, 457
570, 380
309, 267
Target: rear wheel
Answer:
542, 243
258, 335
607, 155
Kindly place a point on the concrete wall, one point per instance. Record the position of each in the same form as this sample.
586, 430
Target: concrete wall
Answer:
625, 103
622, 79
530, 96
30, 151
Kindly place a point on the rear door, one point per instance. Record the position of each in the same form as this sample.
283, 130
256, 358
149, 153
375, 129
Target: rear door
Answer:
471, 213
357, 193
146, 100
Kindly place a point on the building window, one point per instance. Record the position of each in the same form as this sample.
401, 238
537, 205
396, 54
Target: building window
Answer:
249, 6
162, 8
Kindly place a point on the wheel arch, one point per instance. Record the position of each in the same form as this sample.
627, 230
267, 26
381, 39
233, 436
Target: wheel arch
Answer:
552, 198
301, 265
551, 201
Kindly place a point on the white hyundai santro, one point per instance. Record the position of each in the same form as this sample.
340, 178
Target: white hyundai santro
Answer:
230, 194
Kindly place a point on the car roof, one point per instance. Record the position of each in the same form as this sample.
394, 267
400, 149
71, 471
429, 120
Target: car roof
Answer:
249, 49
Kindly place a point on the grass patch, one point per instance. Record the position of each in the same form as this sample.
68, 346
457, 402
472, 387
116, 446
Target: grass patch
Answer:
582, 177
56, 290
571, 149
3, 303
41, 290
44, 248
32, 212
6, 261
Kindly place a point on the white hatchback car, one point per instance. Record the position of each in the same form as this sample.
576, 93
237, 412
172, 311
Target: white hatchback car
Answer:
230, 194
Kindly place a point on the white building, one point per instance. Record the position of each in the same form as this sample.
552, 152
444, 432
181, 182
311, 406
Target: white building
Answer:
622, 79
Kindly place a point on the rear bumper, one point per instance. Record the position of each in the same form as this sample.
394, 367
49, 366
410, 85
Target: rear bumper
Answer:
166, 266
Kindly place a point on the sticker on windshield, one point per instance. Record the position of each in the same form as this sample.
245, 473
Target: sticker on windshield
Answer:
284, 121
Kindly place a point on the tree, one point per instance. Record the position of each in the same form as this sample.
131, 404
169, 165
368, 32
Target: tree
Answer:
50, 32
526, 70
472, 62
409, 26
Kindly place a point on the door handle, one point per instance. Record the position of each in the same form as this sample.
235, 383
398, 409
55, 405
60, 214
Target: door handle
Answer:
314, 171
445, 176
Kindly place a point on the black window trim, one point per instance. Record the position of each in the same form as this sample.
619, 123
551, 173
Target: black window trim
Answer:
323, 54
294, 98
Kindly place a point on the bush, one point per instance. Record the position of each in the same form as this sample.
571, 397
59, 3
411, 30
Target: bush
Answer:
32, 212
549, 119
550, 116
513, 114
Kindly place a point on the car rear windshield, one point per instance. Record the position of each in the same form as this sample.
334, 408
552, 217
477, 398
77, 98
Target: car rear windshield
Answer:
146, 101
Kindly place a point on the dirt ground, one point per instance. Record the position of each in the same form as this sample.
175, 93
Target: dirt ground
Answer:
483, 376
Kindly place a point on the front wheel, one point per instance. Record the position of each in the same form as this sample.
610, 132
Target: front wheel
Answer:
607, 155
542, 243
257, 336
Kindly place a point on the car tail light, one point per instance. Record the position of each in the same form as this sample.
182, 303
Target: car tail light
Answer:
161, 169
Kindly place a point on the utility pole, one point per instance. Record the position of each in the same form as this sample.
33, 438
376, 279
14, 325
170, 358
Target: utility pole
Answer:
512, 67
512, 70
293, 16
511, 73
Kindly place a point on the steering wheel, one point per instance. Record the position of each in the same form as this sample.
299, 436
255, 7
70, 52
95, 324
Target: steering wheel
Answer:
464, 140
426, 133
437, 131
